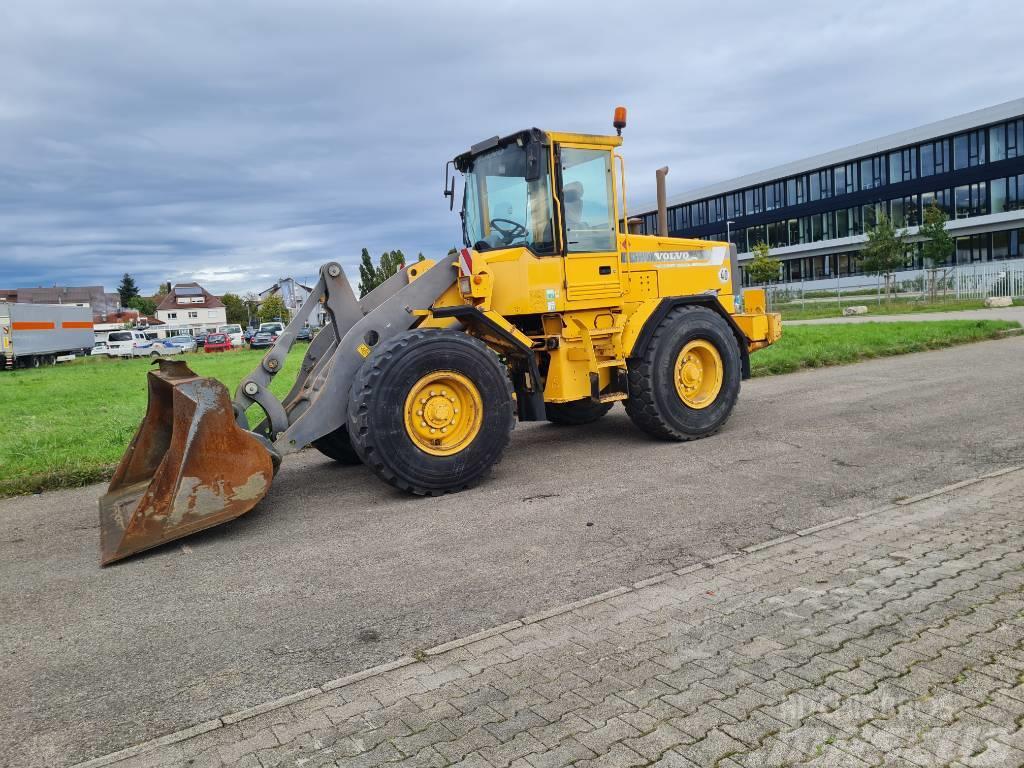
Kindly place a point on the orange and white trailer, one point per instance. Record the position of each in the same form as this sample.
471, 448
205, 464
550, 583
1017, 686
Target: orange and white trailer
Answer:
32, 335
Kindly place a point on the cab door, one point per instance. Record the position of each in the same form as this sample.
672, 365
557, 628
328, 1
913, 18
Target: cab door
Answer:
589, 218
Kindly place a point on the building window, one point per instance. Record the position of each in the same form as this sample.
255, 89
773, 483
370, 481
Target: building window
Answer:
698, 214
716, 210
905, 211
774, 196
734, 205
1006, 140
971, 200
821, 185
182, 300
935, 157
796, 190
753, 200
845, 178
941, 199
903, 165
172, 315
211, 313
793, 233
848, 222
778, 235
193, 315
969, 150
872, 172
1006, 245
972, 249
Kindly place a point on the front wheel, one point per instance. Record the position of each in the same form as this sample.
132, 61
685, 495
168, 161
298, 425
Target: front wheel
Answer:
431, 411
685, 383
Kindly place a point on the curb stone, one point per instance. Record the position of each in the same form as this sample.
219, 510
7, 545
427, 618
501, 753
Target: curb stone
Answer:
210, 725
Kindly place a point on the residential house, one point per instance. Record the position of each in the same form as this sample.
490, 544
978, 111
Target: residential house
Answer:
294, 294
190, 308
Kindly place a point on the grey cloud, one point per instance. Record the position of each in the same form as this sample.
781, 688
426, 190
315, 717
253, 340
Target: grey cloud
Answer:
239, 141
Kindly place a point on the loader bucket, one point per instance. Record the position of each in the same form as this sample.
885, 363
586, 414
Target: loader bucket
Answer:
189, 466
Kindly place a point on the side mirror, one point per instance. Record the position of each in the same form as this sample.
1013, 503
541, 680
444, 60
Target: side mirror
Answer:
449, 185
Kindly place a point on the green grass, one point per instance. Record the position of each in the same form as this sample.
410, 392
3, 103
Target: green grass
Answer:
815, 346
68, 425
899, 306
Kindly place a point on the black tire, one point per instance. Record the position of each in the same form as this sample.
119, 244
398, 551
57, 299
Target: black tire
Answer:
654, 404
376, 419
336, 445
577, 412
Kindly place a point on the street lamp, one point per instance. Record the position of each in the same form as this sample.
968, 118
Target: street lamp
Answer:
728, 232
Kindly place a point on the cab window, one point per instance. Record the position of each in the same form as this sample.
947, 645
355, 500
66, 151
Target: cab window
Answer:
588, 200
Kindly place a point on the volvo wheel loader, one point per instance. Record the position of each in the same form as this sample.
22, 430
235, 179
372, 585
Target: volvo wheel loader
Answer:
551, 309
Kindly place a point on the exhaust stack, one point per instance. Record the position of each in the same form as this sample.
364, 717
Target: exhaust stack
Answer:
659, 176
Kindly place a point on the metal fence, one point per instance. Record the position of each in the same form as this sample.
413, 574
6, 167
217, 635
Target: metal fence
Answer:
961, 282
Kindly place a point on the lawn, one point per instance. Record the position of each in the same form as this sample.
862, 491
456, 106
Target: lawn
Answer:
68, 426
815, 310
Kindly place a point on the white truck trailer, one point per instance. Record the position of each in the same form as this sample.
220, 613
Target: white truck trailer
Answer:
32, 335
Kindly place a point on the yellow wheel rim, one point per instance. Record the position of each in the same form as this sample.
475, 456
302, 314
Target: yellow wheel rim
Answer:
698, 374
443, 413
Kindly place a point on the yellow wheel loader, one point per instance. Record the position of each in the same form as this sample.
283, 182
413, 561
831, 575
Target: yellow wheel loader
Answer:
551, 310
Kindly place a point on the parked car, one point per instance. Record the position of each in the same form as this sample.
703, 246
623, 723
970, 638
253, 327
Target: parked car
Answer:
234, 332
186, 342
217, 342
164, 347
130, 344
200, 339
304, 334
273, 327
248, 333
99, 348
262, 340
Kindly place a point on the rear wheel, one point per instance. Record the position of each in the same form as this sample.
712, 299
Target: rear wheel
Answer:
686, 382
431, 411
577, 412
336, 445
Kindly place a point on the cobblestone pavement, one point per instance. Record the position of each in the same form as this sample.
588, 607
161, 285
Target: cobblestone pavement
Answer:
895, 638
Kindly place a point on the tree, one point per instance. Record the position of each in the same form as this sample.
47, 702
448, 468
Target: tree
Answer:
235, 309
127, 289
162, 291
764, 268
370, 275
273, 308
143, 305
938, 245
885, 251
252, 305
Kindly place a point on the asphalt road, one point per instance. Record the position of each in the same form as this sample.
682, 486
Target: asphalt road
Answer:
335, 572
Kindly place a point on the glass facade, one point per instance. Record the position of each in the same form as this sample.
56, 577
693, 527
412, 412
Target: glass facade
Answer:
968, 174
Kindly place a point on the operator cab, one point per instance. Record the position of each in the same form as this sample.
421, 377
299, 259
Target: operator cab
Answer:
510, 200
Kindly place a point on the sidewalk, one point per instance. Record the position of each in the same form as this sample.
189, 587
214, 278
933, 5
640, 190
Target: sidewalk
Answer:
896, 638
1013, 314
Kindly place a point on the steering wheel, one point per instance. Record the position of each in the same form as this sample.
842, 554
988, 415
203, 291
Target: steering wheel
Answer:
511, 233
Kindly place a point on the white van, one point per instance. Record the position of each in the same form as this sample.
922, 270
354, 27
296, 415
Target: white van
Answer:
234, 332
130, 344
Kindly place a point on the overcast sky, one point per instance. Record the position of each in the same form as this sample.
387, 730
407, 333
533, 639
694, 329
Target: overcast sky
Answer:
235, 142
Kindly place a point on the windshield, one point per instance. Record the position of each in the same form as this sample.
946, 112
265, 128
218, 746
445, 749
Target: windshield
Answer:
120, 336
501, 209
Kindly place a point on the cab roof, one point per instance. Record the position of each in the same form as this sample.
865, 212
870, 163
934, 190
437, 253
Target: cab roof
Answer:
534, 135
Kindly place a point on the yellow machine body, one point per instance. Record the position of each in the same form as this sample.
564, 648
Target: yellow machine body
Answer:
587, 310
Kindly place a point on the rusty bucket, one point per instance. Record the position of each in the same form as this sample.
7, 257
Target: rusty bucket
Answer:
189, 466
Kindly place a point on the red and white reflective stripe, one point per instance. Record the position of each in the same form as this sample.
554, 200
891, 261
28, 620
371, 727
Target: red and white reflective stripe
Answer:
465, 262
